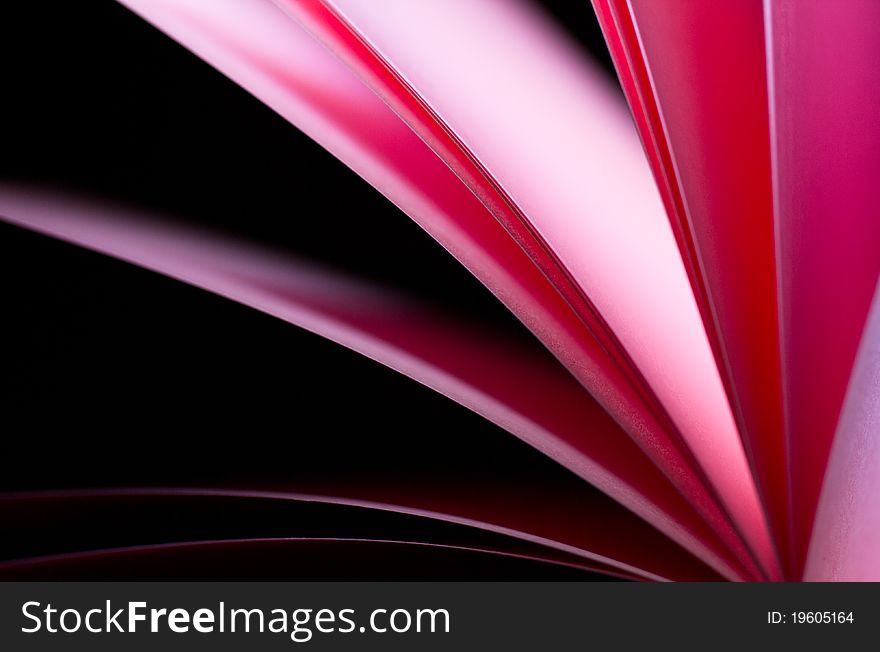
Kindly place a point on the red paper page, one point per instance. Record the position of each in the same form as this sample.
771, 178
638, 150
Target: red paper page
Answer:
589, 214
825, 139
846, 534
694, 74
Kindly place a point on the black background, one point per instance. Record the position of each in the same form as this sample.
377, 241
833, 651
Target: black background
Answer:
112, 375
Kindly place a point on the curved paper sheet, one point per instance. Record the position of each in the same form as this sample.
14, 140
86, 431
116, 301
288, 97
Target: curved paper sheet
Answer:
695, 77
596, 528
845, 546
547, 148
246, 40
825, 138
291, 559
524, 391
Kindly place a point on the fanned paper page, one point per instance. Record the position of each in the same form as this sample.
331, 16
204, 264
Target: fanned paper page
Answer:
471, 367
584, 231
706, 131
695, 261
846, 534
822, 83
760, 121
